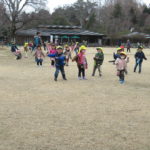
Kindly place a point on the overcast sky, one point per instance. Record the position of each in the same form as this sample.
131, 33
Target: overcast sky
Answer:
56, 3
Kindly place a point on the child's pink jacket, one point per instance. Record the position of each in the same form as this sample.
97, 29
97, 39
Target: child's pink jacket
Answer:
121, 64
39, 54
52, 51
81, 59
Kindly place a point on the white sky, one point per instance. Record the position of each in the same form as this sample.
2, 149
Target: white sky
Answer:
56, 3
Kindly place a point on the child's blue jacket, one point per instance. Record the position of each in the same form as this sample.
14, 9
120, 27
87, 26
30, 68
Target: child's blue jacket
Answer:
116, 56
59, 59
14, 48
140, 56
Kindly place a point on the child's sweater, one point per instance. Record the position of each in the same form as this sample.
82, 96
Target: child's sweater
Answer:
99, 58
39, 54
121, 64
81, 59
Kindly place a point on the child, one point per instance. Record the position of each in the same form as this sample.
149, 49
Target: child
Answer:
26, 49
67, 54
52, 51
122, 48
121, 64
16, 51
30, 46
76, 48
39, 56
48, 46
139, 56
98, 61
59, 62
116, 55
128, 46
81, 62
119, 50
37, 40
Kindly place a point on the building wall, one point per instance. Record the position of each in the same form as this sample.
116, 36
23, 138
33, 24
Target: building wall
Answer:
20, 40
91, 40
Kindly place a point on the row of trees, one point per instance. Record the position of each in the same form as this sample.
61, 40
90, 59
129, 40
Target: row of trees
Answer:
112, 17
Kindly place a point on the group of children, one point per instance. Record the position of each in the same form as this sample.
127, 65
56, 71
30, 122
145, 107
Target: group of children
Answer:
121, 60
60, 56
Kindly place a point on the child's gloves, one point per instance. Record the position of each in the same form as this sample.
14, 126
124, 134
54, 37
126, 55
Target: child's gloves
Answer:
95, 58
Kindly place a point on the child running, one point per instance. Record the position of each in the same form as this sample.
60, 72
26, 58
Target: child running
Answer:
98, 61
139, 56
81, 62
121, 65
16, 51
39, 55
59, 62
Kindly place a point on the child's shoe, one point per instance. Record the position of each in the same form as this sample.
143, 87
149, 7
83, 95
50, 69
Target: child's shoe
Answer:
84, 78
79, 78
65, 79
122, 81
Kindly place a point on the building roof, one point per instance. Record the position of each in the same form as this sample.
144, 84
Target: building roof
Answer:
137, 34
48, 32
59, 27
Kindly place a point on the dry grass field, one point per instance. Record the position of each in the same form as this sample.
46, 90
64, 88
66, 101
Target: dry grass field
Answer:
37, 113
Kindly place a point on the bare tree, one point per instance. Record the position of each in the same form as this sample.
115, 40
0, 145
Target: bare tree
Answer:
14, 10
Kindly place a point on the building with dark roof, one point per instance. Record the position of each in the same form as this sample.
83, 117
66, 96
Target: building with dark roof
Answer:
60, 34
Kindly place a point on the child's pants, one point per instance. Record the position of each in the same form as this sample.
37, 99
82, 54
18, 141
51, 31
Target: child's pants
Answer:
52, 62
19, 56
95, 68
121, 75
61, 69
128, 49
81, 71
67, 61
39, 61
140, 66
